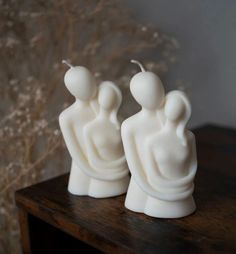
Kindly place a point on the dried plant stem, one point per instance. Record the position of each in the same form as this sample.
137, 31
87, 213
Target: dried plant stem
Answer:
27, 170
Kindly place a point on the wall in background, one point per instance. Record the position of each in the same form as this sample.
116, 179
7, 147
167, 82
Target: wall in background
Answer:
207, 55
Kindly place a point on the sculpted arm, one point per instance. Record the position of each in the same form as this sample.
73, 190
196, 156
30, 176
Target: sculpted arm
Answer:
153, 172
76, 151
131, 153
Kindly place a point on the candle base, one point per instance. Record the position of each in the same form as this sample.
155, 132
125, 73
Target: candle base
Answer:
138, 201
83, 185
169, 209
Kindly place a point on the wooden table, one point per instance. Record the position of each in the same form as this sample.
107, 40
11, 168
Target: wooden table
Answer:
54, 221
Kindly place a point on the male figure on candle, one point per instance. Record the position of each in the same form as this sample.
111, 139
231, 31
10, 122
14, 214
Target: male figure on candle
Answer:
85, 177
162, 160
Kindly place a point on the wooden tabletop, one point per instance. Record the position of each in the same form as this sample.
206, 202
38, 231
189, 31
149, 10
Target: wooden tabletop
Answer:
106, 225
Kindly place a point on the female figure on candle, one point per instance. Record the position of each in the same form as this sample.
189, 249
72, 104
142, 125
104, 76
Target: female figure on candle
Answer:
103, 142
149, 192
102, 135
85, 179
171, 163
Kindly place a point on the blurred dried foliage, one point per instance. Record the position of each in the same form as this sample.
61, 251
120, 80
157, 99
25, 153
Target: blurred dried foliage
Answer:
34, 37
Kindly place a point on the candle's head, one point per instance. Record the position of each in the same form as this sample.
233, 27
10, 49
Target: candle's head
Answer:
108, 95
80, 83
177, 106
147, 89
174, 108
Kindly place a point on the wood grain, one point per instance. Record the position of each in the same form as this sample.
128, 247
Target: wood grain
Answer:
24, 227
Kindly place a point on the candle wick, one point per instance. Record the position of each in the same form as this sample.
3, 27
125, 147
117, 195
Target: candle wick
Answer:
67, 63
139, 64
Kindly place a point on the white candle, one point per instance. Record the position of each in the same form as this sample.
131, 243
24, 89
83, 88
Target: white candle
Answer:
160, 151
92, 135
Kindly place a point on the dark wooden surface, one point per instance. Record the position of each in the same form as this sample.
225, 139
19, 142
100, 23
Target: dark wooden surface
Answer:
105, 224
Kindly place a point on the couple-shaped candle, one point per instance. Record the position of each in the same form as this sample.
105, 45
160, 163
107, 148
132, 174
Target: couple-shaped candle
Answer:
91, 132
159, 150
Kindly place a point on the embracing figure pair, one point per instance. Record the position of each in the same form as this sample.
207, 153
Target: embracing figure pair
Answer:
154, 145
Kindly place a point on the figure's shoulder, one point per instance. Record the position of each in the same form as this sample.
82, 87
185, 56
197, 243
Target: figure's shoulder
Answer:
62, 115
66, 114
190, 136
130, 122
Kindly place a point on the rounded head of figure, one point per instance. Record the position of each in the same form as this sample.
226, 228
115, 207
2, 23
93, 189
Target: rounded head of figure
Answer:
110, 98
147, 89
178, 110
80, 83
